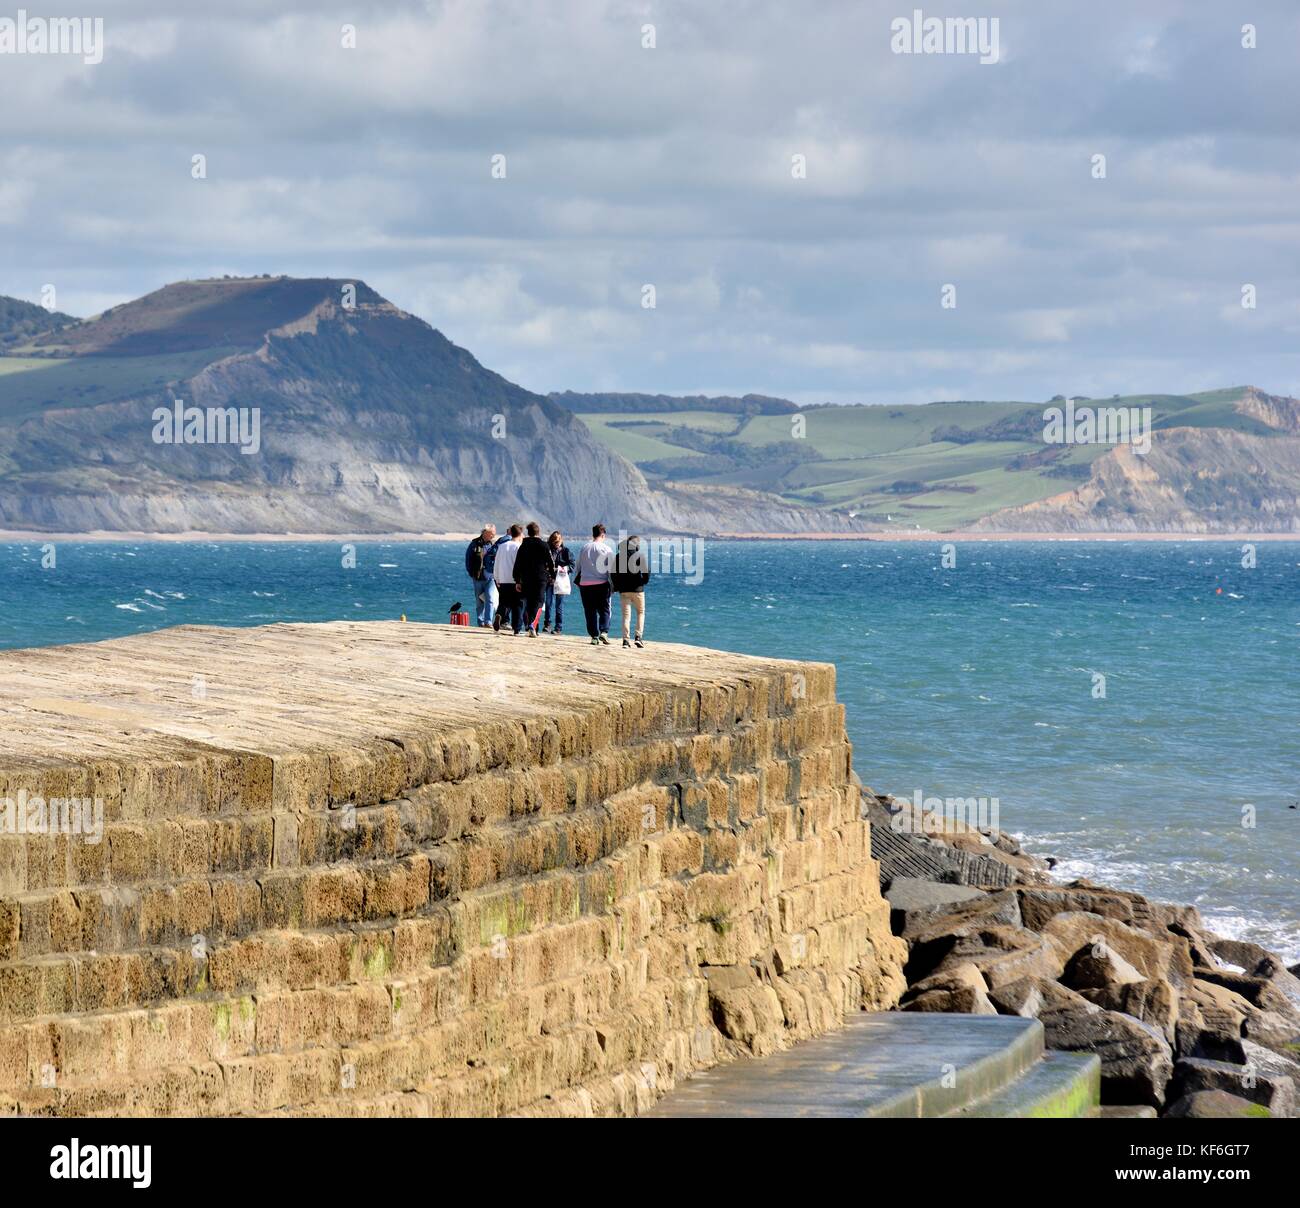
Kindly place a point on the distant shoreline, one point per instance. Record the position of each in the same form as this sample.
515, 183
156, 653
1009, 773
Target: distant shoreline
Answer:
15, 536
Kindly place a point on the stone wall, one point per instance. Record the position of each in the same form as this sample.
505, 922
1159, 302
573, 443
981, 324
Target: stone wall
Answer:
409, 870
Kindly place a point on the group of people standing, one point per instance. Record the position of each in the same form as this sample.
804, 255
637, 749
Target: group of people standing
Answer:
520, 581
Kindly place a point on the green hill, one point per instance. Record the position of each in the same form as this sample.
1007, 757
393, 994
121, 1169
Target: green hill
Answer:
938, 466
21, 322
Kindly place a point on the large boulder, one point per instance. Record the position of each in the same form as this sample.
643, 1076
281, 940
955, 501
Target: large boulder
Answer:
916, 905
1033, 997
1099, 967
1273, 1090
1164, 958
959, 990
1151, 1001
1136, 1062
1003, 954
1266, 993
1220, 1016
1215, 1105
1041, 903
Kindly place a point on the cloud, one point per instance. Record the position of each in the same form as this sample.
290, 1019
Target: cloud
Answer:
672, 166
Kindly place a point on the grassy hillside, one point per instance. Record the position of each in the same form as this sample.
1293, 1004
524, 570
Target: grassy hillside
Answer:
21, 322
28, 385
937, 466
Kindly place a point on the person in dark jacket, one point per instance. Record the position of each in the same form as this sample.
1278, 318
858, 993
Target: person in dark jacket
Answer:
478, 565
630, 577
534, 572
563, 562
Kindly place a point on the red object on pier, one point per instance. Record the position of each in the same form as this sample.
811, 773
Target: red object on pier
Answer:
460, 618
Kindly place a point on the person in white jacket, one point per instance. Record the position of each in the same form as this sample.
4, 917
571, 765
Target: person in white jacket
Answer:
510, 604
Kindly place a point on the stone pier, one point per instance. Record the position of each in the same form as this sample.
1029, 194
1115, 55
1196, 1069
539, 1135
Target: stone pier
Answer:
396, 869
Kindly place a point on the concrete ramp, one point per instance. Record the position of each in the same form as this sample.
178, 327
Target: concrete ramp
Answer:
901, 1065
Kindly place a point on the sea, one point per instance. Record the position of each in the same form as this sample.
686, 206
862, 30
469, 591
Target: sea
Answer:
1132, 706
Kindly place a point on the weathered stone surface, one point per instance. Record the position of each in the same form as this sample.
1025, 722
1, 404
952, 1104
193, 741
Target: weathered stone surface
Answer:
395, 869
1273, 1091
1099, 967
1153, 957
1040, 904
1003, 954
959, 990
914, 901
1021, 997
1136, 1063
919, 906
1215, 1105
1153, 1002
1128, 1111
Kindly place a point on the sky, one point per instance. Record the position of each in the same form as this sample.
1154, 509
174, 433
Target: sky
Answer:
672, 165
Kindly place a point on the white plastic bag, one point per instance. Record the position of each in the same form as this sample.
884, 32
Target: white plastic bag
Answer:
562, 585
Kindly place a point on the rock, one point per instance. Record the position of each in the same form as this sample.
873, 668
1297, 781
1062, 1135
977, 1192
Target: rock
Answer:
959, 990
1128, 1111
1282, 1066
1003, 954
1294, 970
1021, 997
1272, 1030
1136, 1063
1262, 992
1099, 967
1260, 963
1151, 1001
1215, 1105
914, 903
1199, 944
1164, 958
1042, 903
1057, 997
1170, 915
1273, 1091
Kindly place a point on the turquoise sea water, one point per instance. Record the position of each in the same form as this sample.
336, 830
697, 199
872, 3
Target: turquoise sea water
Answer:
974, 680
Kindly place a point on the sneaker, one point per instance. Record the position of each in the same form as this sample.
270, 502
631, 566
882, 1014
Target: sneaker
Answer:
604, 641
532, 633
556, 632
496, 624
546, 629
626, 644
595, 641
640, 645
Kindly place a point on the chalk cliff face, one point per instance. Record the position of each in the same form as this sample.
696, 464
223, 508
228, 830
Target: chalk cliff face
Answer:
369, 421
477, 888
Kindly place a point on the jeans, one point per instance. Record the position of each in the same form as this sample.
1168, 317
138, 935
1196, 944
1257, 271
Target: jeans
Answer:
595, 604
510, 606
485, 600
554, 604
631, 600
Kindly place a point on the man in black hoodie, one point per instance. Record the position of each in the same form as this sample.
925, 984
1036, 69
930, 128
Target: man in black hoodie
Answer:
629, 578
534, 569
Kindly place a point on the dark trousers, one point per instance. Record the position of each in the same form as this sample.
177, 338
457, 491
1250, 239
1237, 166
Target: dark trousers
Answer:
534, 594
510, 607
554, 607
595, 604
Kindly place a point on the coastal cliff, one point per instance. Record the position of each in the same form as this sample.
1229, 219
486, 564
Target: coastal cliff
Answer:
394, 869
